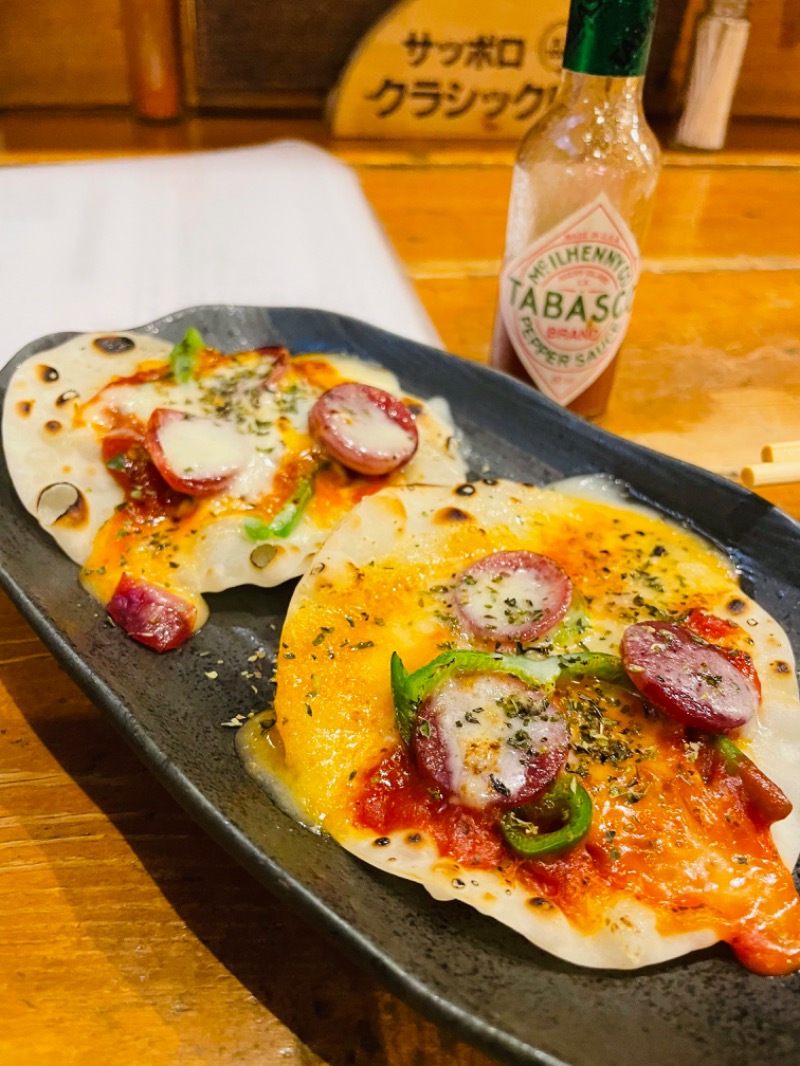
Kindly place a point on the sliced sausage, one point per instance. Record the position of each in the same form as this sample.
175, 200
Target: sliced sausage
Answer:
718, 631
364, 428
281, 363
691, 681
195, 455
151, 615
489, 740
512, 596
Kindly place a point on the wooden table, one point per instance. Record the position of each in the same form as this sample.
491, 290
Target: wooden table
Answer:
126, 935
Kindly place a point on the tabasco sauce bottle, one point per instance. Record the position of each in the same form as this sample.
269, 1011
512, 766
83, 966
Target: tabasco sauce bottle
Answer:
581, 196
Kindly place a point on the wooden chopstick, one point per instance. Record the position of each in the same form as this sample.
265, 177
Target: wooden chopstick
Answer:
771, 473
780, 464
786, 452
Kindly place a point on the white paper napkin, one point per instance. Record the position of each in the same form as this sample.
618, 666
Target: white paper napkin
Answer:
110, 245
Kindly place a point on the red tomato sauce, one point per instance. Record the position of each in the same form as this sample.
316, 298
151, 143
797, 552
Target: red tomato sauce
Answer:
671, 828
146, 492
727, 636
142, 377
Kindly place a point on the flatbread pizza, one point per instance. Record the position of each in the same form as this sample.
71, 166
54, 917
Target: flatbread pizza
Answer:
166, 471
554, 705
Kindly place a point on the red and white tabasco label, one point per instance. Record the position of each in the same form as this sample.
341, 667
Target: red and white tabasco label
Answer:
566, 301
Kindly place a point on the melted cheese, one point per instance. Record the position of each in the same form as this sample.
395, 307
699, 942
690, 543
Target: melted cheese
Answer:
672, 863
481, 738
402, 565
508, 599
55, 425
369, 429
203, 448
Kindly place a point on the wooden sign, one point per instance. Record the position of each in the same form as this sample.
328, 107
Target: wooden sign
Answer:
453, 69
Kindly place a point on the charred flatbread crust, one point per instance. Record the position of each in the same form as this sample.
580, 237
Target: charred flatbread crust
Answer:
375, 587
53, 419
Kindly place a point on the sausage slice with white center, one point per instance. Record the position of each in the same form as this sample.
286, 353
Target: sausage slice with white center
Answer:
364, 428
195, 455
489, 740
512, 596
691, 681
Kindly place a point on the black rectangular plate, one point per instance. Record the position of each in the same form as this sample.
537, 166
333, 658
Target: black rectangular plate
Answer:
463, 969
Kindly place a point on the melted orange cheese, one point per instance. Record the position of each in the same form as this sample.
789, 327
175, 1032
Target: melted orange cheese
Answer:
666, 830
155, 540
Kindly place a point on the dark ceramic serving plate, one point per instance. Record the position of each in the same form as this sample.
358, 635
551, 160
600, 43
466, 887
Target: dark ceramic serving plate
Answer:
464, 970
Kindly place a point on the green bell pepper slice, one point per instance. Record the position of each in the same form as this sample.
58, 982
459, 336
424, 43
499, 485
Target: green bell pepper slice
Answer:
287, 519
566, 801
409, 690
405, 709
766, 798
595, 664
183, 357
572, 627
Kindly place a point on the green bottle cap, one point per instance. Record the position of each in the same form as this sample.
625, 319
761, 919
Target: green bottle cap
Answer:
609, 37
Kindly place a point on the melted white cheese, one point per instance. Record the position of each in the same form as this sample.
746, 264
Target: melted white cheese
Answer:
368, 429
502, 600
202, 448
87, 404
479, 735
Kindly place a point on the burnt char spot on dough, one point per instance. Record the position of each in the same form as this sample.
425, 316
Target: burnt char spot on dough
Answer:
467, 489
63, 504
413, 838
540, 903
53, 426
47, 373
263, 555
451, 514
780, 666
113, 345
415, 408
65, 397
736, 606
24, 408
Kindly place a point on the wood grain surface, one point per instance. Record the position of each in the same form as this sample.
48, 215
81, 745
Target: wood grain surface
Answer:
126, 935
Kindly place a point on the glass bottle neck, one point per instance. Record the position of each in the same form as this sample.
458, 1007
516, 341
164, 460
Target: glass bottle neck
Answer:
610, 38
614, 93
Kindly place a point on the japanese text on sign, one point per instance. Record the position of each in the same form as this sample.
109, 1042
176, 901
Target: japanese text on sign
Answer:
425, 98
447, 69
479, 52
422, 98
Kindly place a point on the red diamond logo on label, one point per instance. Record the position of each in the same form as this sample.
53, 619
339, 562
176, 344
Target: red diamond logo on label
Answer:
566, 301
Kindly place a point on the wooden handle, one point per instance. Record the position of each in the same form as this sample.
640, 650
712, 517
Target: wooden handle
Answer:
152, 44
